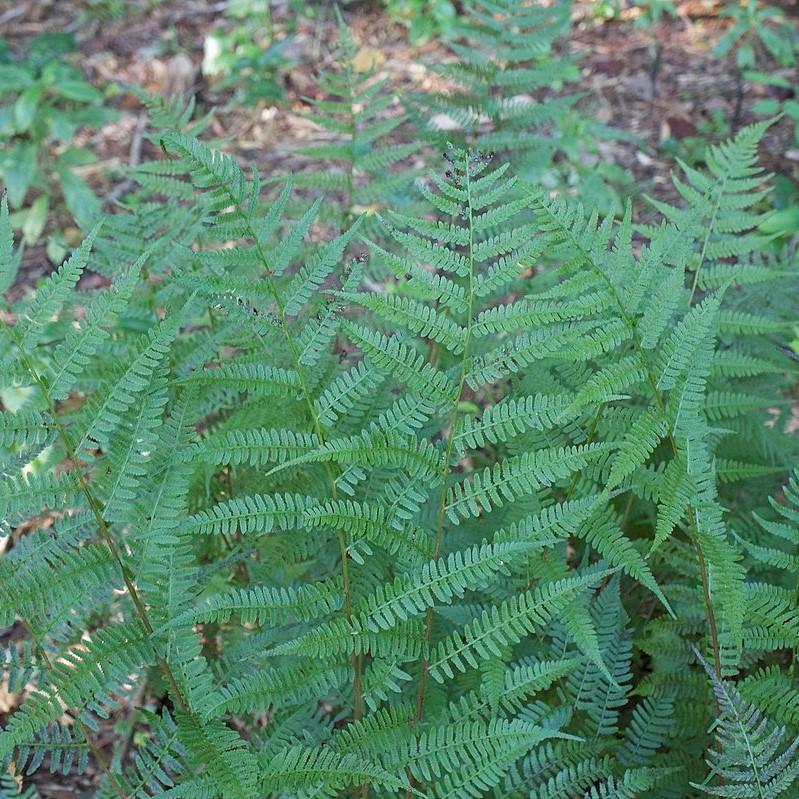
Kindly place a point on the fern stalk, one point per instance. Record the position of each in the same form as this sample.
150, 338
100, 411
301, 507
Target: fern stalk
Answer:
295, 356
423, 676
630, 323
241, 566
711, 613
357, 659
711, 225
102, 526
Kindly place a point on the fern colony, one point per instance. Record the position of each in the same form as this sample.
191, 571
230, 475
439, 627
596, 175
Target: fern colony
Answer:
509, 522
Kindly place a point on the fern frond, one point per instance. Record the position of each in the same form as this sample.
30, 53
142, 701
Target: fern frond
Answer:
82, 677
81, 344
439, 581
256, 447
414, 316
514, 477
377, 448
131, 384
634, 783
9, 260
261, 605
750, 757
510, 417
53, 294
651, 725
506, 624
388, 353
301, 768
235, 769
251, 514
255, 378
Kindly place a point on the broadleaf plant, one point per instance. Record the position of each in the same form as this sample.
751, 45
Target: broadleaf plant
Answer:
44, 100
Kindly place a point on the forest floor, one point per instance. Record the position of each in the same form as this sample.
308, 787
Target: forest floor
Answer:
161, 48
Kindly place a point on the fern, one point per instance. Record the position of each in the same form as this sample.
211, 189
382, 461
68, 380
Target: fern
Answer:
506, 54
462, 500
718, 216
751, 756
359, 161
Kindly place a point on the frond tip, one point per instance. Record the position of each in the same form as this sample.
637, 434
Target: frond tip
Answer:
750, 758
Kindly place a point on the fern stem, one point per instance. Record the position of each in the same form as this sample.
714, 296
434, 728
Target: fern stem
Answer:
241, 566
711, 614
453, 416
92, 747
102, 527
627, 508
270, 276
574, 480
706, 241
357, 663
632, 325
100, 760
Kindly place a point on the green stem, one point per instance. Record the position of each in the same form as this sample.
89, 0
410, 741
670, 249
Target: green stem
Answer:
357, 664
453, 417
706, 241
297, 363
102, 526
711, 615
693, 533
356, 660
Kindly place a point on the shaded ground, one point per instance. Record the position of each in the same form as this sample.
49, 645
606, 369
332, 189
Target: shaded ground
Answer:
162, 49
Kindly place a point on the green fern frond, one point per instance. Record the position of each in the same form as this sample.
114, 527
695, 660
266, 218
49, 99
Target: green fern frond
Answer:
234, 771
262, 605
634, 783
53, 294
388, 353
750, 756
511, 417
438, 582
9, 260
256, 447
132, 382
506, 624
251, 514
418, 318
515, 477
254, 378
80, 678
417, 457
719, 202
302, 768
652, 723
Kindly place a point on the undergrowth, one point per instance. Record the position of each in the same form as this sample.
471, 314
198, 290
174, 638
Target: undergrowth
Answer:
481, 492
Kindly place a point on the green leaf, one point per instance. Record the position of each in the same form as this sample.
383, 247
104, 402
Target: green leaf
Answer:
514, 477
506, 624
35, 219
77, 90
9, 260
81, 201
26, 106
19, 168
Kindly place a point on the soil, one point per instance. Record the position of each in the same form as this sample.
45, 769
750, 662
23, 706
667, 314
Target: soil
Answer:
159, 44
